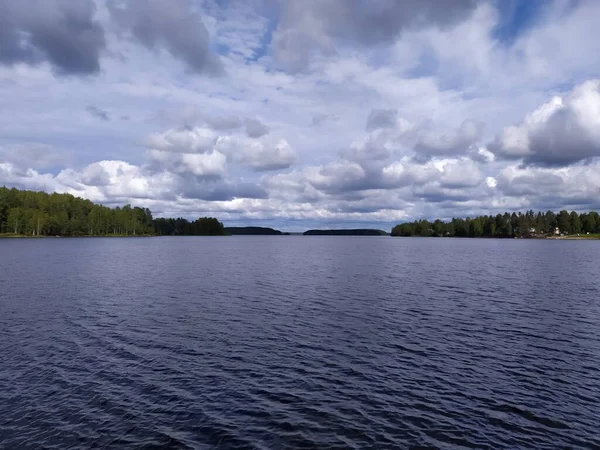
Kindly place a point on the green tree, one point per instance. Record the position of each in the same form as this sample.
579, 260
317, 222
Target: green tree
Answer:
564, 222
551, 221
15, 220
438, 228
476, 227
590, 222
490, 226
575, 223
39, 213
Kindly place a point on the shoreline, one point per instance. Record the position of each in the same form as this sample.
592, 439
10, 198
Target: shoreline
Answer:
25, 236
502, 238
594, 237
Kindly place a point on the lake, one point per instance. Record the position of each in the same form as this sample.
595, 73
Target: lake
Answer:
299, 342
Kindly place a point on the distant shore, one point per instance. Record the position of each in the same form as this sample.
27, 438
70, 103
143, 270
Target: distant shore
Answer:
581, 237
586, 237
591, 237
28, 236
252, 231
346, 232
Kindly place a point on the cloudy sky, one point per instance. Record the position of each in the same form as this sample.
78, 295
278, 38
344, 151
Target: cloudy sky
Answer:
304, 113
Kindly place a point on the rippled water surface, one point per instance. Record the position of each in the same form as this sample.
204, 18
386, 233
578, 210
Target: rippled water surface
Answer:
299, 342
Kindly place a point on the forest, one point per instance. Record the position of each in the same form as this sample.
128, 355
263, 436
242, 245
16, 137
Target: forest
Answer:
29, 213
507, 225
204, 226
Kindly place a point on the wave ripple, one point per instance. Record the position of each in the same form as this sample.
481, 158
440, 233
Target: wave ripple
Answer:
299, 342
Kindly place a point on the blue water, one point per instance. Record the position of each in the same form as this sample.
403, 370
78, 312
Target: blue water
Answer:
299, 342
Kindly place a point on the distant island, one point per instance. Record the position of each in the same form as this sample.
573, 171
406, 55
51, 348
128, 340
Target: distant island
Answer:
352, 232
252, 231
540, 225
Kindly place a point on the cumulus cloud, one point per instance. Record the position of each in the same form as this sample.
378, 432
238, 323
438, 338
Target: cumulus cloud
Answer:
459, 174
173, 25
207, 165
262, 154
345, 190
407, 172
337, 177
459, 141
101, 181
119, 180
390, 158
183, 140
61, 32
116, 182
563, 131
575, 186
375, 146
389, 134
99, 174
349, 179
204, 164
312, 25
15, 176
448, 174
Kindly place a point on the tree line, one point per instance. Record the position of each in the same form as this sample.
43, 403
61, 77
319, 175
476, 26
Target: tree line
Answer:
32, 213
252, 231
204, 226
346, 232
508, 225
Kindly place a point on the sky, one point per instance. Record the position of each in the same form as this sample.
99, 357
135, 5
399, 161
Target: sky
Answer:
304, 113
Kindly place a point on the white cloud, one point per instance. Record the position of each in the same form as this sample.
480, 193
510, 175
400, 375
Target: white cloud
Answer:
264, 152
101, 181
260, 154
458, 141
576, 186
563, 131
208, 164
462, 173
196, 140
